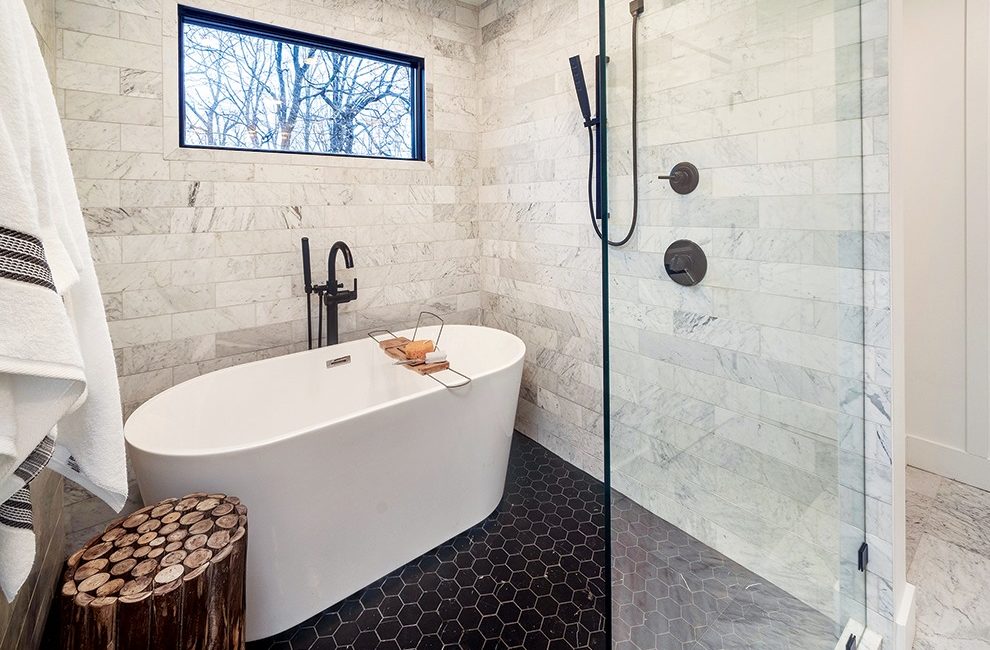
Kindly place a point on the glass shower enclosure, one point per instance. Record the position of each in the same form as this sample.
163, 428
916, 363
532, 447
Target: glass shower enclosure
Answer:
734, 409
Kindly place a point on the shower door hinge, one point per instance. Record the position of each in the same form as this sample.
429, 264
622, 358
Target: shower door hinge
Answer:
851, 642
864, 556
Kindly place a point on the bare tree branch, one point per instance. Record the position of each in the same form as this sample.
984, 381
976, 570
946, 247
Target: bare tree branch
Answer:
251, 92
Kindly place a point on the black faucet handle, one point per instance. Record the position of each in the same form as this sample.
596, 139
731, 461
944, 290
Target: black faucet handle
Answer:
355, 289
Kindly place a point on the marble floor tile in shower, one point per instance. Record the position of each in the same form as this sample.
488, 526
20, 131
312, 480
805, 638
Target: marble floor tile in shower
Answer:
672, 592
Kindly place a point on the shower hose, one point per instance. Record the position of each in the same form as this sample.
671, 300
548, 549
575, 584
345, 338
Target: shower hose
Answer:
635, 155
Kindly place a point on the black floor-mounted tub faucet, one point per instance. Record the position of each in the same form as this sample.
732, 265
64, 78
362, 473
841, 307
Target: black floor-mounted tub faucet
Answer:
330, 295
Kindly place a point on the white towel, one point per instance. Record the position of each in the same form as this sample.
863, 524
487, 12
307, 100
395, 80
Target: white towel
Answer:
56, 360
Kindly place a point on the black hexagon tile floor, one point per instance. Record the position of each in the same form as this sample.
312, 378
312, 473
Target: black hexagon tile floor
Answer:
531, 576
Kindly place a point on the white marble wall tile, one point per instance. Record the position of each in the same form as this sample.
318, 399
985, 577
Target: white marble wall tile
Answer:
136, 27
93, 77
103, 107
87, 18
198, 251
92, 48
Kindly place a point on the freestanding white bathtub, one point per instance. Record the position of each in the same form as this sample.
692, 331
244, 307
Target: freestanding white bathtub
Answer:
348, 472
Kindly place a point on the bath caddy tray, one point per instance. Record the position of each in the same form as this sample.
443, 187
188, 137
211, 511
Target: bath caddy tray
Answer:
394, 348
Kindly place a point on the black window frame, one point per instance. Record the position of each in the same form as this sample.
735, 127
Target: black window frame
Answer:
210, 19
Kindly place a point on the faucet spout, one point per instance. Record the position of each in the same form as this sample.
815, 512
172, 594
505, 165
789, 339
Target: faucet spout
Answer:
334, 297
338, 247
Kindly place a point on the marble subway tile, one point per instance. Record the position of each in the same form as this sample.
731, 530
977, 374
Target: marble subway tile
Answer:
151, 302
167, 354
139, 331
140, 83
102, 107
136, 137
211, 321
141, 275
91, 77
92, 48
141, 28
240, 292
87, 18
152, 248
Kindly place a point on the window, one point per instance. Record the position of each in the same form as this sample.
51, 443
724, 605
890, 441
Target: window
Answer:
246, 85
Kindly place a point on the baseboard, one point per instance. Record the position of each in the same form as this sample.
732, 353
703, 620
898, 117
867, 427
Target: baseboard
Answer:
906, 618
949, 462
867, 639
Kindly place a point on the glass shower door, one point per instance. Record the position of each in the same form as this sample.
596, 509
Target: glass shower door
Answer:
735, 321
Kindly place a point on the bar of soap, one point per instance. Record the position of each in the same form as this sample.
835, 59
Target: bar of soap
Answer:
435, 357
418, 349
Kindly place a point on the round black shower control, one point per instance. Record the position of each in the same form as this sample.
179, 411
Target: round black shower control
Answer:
685, 262
684, 178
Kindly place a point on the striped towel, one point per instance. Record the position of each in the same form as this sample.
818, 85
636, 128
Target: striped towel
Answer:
59, 398
16, 524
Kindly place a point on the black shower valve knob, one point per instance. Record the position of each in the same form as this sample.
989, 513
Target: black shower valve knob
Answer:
684, 178
685, 263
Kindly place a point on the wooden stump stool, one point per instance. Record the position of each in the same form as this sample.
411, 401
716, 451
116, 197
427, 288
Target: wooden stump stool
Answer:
170, 575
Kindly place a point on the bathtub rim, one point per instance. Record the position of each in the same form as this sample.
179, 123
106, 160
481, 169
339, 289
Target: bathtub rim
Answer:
428, 389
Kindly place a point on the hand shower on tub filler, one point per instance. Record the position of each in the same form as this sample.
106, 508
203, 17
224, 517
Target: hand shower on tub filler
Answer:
329, 295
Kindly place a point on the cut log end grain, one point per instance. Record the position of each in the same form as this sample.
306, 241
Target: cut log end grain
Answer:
93, 581
222, 509
163, 508
123, 567
135, 520
110, 587
148, 526
191, 518
136, 587
198, 558
170, 574
177, 565
227, 521
201, 527
97, 550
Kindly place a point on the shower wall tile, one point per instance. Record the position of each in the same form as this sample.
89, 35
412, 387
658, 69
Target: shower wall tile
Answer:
738, 407
540, 270
197, 251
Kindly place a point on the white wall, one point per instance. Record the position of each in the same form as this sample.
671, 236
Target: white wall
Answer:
945, 169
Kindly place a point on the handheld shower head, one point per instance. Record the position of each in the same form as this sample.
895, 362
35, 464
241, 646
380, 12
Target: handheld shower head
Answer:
581, 87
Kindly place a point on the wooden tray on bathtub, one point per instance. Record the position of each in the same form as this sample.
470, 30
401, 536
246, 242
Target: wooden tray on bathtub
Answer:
395, 348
